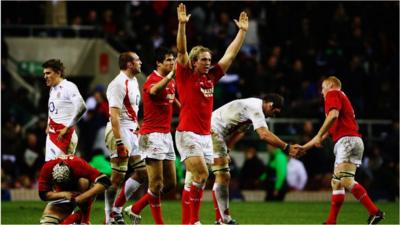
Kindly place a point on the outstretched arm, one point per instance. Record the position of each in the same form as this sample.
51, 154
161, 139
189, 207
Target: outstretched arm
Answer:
233, 49
323, 131
270, 137
182, 57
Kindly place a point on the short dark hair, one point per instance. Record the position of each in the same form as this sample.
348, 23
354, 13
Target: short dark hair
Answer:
123, 60
54, 64
160, 54
276, 99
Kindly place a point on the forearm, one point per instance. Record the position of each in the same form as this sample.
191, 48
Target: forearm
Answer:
234, 139
80, 109
181, 38
329, 120
177, 104
52, 195
95, 190
159, 86
271, 138
235, 45
115, 124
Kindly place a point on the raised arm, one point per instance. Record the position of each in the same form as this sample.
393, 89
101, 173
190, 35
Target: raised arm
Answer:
233, 49
160, 85
182, 57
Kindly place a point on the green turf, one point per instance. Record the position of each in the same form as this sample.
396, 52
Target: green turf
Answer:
243, 212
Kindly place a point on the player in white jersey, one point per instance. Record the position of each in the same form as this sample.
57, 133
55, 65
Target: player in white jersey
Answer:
228, 124
123, 96
66, 107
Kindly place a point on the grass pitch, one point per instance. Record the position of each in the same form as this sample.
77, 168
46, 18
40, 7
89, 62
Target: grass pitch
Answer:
243, 212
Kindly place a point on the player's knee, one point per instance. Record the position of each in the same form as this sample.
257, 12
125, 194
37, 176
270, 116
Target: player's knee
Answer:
156, 186
348, 182
336, 182
49, 219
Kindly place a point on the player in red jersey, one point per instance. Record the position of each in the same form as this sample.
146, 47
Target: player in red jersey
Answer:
155, 140
65, 182
341, 124
196, 78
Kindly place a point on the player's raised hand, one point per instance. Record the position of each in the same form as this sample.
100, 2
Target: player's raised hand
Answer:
243, 22
181, 12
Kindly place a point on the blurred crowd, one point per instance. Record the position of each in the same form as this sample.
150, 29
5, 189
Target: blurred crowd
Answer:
289, 48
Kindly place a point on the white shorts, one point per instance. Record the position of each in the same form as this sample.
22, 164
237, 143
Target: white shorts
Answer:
128, 136
190, 144
53, 151
157, 146
349, 150
219, 145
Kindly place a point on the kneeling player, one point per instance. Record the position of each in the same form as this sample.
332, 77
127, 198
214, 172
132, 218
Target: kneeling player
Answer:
65, 182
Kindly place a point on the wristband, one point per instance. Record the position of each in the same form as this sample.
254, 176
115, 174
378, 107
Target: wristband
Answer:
287, 147
119, 142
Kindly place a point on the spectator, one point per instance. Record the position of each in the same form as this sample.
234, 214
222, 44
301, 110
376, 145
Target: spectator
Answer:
252, 169
296, 175
276, 174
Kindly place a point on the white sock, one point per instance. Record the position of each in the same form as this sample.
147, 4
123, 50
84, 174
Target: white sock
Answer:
131, 186
222, 196
109, 198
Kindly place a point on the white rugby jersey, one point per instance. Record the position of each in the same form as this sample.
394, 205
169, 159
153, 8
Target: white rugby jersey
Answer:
238, 115
63, 100
124, 93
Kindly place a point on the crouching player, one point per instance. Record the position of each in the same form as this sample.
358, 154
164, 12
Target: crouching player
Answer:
66, 182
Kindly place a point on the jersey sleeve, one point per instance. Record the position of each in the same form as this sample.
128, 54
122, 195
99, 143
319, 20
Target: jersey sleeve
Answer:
256, 115
116, 96
74, 94
332, 101
45, 178
150, 82
216, 72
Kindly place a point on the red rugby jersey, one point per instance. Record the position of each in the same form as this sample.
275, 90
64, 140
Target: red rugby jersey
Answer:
79, 169
346, 124
157, 110
196, 94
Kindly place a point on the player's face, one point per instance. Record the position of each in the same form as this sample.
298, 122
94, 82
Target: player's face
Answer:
136, 64
168, 64
52, 78
203, 63
270, 110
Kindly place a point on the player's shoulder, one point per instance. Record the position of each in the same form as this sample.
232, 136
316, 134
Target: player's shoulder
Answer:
250, 102
68, 85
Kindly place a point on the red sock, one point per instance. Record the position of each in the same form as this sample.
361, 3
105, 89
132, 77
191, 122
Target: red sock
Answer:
361, 195
86, 209
196, 195
155, 206
121, 199
337, 200
141, 203
72, 218
185, 206
217, 213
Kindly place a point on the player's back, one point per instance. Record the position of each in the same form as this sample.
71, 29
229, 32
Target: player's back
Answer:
237, 115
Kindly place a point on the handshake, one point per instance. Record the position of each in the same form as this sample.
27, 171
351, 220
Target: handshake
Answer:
297, 150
